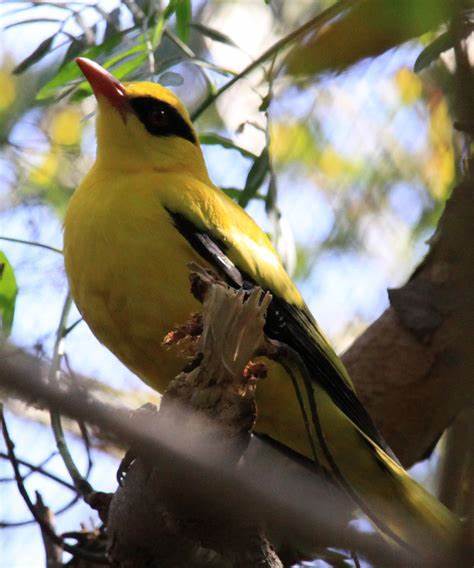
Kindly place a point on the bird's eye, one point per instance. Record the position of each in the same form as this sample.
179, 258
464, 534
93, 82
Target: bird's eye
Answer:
161, 118
158, 118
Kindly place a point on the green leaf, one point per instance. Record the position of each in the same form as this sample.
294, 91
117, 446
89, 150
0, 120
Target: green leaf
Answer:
35, 56
158, 32
113, 23
213, 34
183, 18
212, 139
71, 71
8, 293
432, 51
235, 193
76, 47
126, 68
255, 177
181, 45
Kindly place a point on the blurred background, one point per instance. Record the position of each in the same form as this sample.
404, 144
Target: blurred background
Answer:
348, 171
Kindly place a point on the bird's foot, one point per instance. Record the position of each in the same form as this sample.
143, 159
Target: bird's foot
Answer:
131, 454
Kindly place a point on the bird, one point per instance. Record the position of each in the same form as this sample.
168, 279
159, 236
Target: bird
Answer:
145, 210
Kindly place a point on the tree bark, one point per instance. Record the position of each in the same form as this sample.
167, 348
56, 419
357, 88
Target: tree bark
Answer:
414, 367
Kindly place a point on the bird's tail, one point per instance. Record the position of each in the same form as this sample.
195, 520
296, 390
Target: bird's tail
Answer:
400, 508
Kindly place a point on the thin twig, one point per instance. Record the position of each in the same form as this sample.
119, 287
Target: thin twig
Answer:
314, 23
53, 551
81, 484
100, 559
40, 469
30, 243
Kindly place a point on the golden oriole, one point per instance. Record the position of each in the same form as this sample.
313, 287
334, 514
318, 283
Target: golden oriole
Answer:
144, 211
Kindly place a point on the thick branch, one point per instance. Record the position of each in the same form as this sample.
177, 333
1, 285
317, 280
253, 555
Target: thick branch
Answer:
414, 367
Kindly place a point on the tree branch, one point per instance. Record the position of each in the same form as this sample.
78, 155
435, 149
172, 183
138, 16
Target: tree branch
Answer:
414, 367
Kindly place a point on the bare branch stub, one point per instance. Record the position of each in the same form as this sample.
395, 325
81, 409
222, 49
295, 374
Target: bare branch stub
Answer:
155, 515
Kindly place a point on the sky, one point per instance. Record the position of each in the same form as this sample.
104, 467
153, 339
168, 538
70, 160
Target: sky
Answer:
340, 290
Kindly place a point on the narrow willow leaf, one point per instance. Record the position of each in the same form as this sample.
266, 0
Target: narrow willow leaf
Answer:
212, 139
71, 71
179, 43
235, 193
8, 293
31, 21
213, 34
432, 51
183, 18
113, 23
35, 56
255, 178
76, 47
158, 32
350, 31
123, 70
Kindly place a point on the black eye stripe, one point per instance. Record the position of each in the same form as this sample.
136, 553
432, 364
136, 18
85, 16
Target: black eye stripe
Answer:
161, 119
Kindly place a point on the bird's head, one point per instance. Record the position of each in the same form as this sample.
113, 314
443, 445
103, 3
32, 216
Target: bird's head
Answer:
142, 125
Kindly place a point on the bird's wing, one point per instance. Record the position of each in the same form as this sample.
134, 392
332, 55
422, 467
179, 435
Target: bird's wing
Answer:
288, 321
227, 239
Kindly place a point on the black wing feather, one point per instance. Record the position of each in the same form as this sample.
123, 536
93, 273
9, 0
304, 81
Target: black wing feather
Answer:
289, 324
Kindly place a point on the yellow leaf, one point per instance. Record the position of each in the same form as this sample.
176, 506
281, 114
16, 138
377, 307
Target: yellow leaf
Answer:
292, 142
409, 85
441, 172
65, 127
7, 91
45, 171
331, 164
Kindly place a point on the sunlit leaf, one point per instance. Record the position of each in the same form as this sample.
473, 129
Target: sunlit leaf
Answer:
255, 177
213, 34
65, 127
409, 85
8, 90
366, 29
180, 44
213, 139
71, 71
43, 173
35, 56
183, 18
8, 293
158, 32
292, 142
125, 69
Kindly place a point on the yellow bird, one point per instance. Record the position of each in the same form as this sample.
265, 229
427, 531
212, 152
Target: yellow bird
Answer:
144, 211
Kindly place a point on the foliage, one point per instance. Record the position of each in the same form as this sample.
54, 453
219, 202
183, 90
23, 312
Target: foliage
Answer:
8, 293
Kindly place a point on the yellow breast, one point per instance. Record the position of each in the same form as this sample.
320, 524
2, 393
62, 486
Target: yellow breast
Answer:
127, 268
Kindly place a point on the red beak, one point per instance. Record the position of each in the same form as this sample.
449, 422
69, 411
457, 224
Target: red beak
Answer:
104, 84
